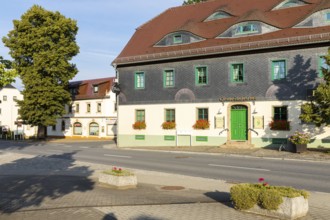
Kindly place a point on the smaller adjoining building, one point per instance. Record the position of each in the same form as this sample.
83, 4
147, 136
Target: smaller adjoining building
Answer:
11, 127
92, 113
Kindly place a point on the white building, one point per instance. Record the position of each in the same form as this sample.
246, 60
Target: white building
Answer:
92, 114
9, 117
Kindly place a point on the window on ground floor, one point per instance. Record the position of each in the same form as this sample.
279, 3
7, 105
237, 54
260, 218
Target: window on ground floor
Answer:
94, 129
77, 128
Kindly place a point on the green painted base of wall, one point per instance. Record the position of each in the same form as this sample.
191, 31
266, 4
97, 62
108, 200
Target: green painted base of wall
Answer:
165, 140
276, 142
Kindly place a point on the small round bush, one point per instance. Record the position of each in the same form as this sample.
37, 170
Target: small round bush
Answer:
270, 199
244, 196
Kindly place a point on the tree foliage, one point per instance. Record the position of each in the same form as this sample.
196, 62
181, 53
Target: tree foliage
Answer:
189, 2
317, 111
7, 75
42, 44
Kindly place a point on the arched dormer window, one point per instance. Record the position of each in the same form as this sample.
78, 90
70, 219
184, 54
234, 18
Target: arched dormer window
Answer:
247, 29
178, 38
318, 19
289, 4
218, 15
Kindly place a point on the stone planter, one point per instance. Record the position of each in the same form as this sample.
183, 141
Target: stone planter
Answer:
118, 182
291, 208
300, 148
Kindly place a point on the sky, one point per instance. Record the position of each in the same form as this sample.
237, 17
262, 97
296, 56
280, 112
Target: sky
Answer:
105, 27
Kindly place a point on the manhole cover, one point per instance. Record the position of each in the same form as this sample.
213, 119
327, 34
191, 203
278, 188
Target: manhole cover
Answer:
172, 188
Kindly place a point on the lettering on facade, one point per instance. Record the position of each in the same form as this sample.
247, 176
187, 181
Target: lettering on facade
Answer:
235, 99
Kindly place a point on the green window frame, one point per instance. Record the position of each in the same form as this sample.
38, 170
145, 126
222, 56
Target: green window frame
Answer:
169, 78
170, 115
246, 29
177, 38
280, 113
139, 80
237, 73
203, 114
327, 16
322, 64
279, 70
140, 115
201, 75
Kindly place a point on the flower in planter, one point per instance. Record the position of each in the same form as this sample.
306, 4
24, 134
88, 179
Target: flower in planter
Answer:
283, 125
139, 125
201, 124
118, 172
300, 138
168, 125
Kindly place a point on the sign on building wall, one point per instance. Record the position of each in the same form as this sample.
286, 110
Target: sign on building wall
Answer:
219, 121
258, 122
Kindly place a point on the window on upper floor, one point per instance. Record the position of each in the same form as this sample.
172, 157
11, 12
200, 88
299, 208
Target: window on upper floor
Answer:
95, 88
249, 28
278, 69
88, 105
70, 109
77, 108
99, 107
14, 98
170, 115
317, 19
54, 128
323, 66
139, 80
178, 38
327, 16
289, 4
237, 72
140, 115
0, 111
169, 78
218, 15
201, 75
4, 98
63, 125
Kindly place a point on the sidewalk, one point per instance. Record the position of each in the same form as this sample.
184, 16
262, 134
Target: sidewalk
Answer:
52, 188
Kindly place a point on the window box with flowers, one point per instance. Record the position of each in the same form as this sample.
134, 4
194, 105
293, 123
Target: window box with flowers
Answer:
139, 125
167, 125
300, 141
279, 125
201, 124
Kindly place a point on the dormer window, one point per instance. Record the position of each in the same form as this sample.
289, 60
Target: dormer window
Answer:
246, 28
289, 4
178, 38
318, 19
218, 15
327, 16
95, 88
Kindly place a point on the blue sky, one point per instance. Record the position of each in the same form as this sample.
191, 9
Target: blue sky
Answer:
105, 26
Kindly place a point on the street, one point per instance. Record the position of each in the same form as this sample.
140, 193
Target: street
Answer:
309, 175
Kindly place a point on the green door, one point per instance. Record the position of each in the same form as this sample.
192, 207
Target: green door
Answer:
238, 123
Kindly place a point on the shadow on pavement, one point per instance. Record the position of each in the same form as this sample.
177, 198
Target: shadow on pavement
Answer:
45, 179
221, 197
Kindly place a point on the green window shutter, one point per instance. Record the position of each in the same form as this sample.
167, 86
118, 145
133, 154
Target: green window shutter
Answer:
168, 78
278, 69
139, 80
201, 75
237, 73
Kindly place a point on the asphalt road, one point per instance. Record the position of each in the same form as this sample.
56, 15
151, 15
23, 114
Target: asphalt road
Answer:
309, 175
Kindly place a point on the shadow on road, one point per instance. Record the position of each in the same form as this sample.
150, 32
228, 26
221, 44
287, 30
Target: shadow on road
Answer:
28, 183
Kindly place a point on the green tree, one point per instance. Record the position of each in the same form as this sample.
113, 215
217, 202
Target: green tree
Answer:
189, 2
7, 75
317, 111
42, 44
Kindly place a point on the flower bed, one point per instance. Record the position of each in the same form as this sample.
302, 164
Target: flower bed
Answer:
280, 125
118, 178
167, 125
274, 201
201, 124
139, 125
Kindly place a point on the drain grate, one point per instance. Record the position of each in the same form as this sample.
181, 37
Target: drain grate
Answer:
172, 188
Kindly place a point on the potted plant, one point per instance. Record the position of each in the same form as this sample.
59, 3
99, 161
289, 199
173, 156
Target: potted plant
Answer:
139, 125
168, 125
275, 201
201, 124
300, 141
118, 178
281, 125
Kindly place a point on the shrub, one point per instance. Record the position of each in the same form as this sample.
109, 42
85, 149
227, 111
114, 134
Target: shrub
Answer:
118, 172
139, 125
201, 124
168, 125
244, 196
270, 199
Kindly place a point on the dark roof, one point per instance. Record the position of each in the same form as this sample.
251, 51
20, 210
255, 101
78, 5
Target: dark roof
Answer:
8, 86
84, 89
191, 18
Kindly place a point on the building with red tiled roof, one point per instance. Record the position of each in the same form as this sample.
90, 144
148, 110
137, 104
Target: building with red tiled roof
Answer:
92, 113
243, 66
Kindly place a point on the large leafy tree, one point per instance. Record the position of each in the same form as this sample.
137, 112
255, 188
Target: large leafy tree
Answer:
7, 75
317, 111
42, 44
189, 2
